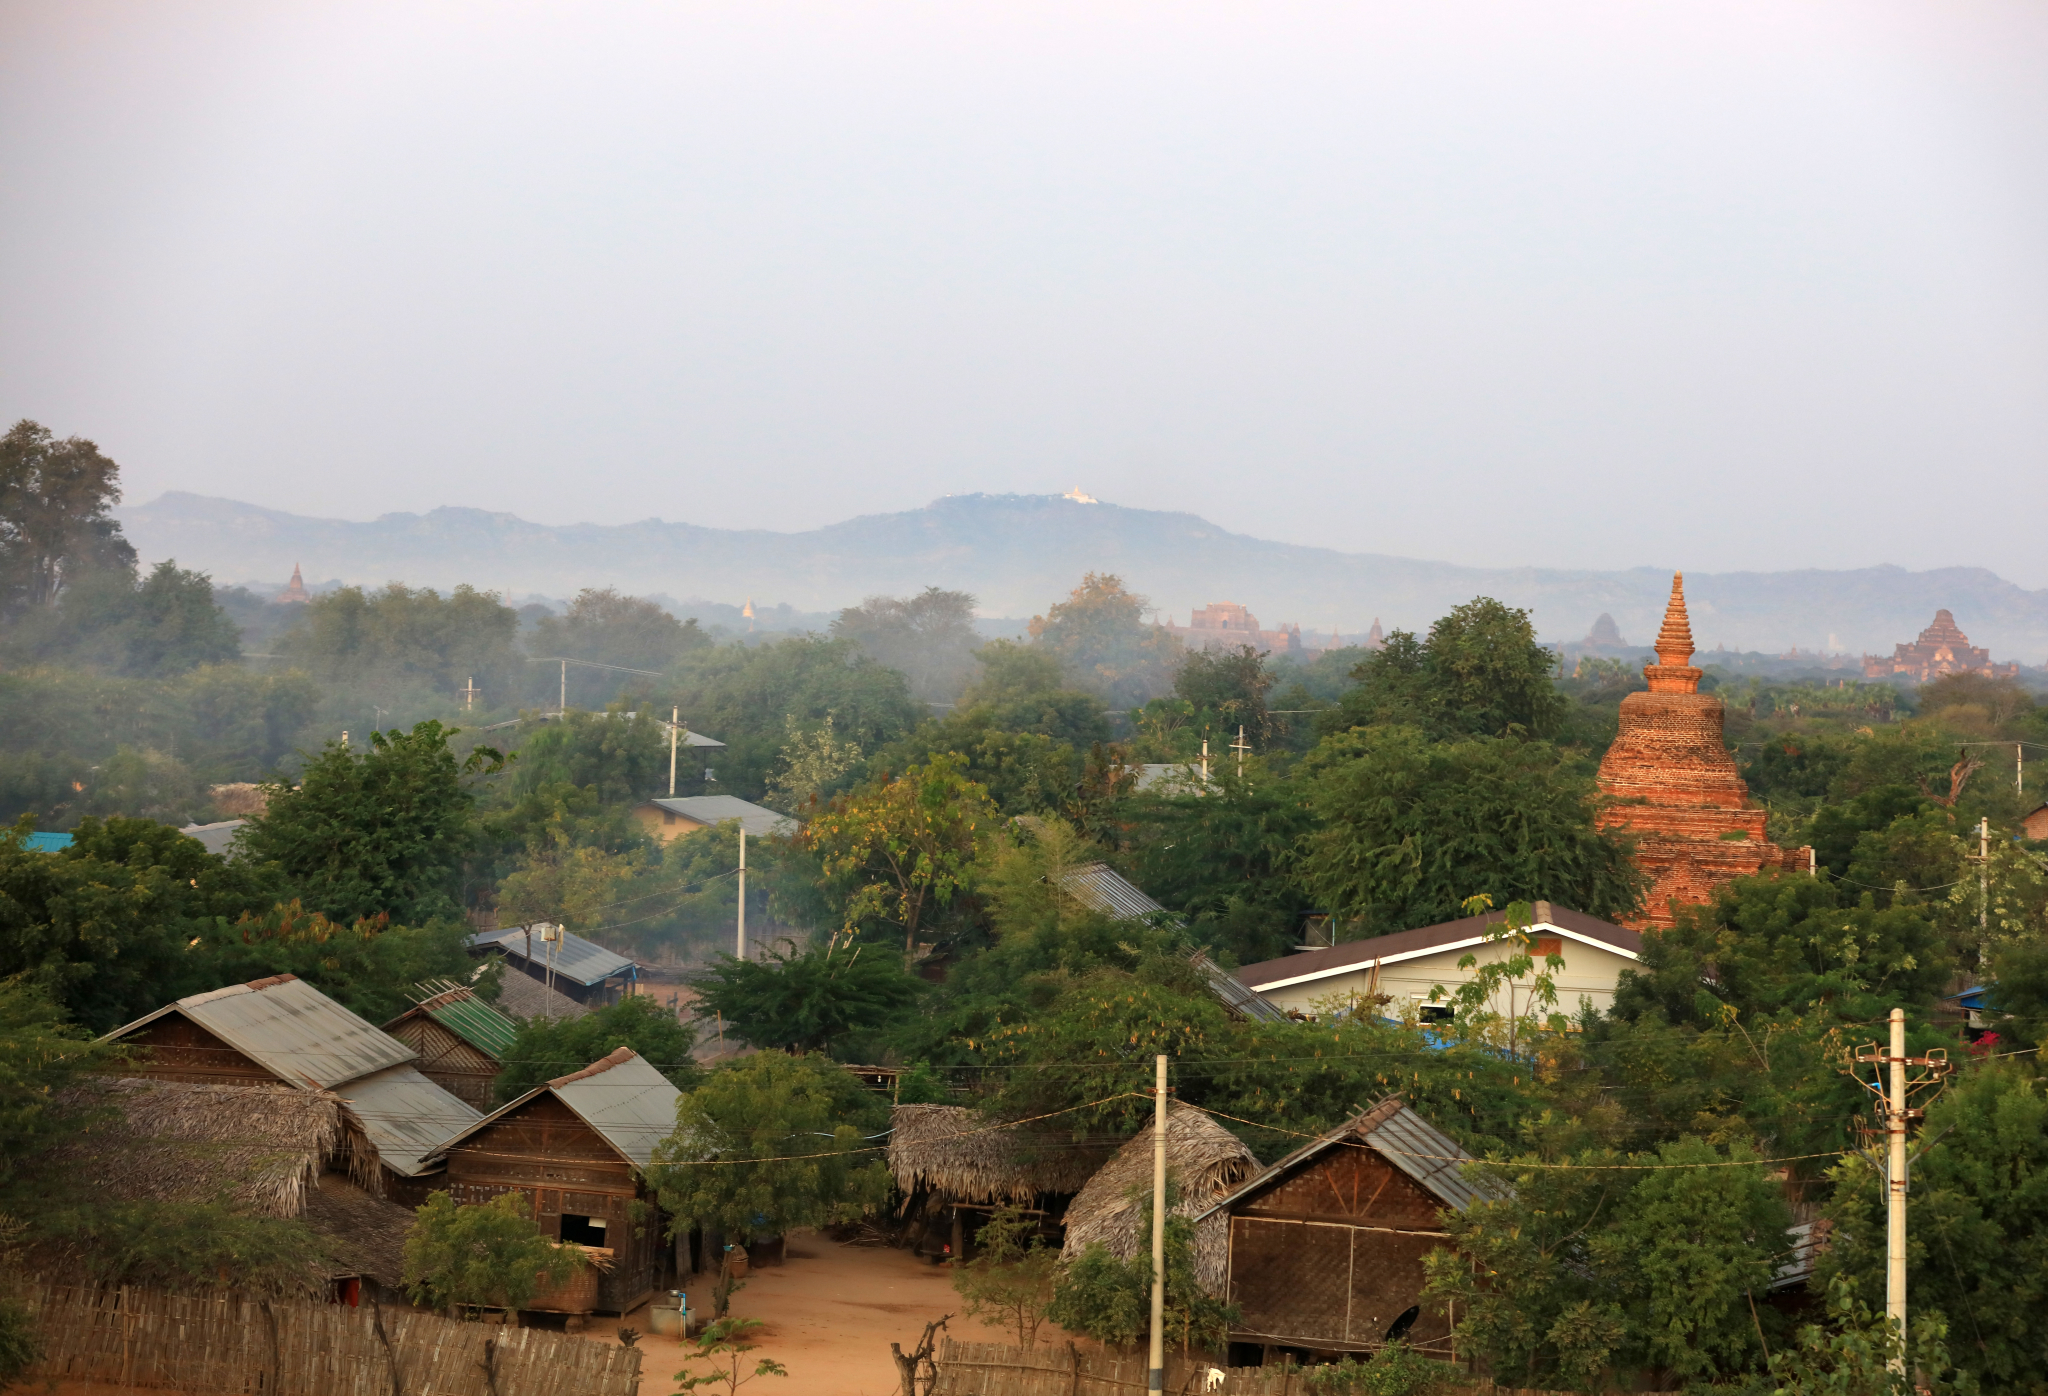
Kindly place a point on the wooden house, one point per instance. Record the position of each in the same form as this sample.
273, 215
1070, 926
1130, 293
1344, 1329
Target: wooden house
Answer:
461, 1040
576, 1150
567, 964
282, 1030
1324, 1249
674, 818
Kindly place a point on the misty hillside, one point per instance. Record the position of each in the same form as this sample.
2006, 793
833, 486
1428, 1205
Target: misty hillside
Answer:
1018, 553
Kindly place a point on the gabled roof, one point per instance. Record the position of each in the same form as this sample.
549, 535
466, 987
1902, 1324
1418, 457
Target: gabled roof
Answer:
1429, 940
457, 1008
406, 1116
574, 960
758, 820
214, 838
1244, 1002
624, 1099
289, 1028
1399, 1135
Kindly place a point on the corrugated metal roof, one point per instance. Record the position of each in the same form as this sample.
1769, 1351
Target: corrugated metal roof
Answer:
1239, 999
1101, 887
47, 843
757, 820
292, 1029
1406, 1140
215, 838
457, 1008
624, 1099
573, 959
407, 1116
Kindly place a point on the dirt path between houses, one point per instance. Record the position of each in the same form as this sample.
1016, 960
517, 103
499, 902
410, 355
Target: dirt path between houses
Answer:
830, 1314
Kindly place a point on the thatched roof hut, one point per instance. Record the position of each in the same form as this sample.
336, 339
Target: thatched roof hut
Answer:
267, 1150
960, 1155
1204, 1161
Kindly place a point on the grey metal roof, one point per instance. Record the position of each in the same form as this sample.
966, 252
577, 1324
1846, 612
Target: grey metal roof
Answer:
624, 1099
1239, 999
1172, 778
407, 1116
1399, 1135
215, 838
1101, 887
758, 820
523, 997
574, 959
289, 1027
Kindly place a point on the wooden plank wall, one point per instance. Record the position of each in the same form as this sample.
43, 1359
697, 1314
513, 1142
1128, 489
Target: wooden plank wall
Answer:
246, 1347
995, 1369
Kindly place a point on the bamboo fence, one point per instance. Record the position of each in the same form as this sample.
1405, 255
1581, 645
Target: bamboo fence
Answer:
228, 1346
996, 1369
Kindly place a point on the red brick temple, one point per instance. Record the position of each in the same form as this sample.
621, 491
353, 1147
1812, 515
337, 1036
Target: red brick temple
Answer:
1942, 648
1675, 785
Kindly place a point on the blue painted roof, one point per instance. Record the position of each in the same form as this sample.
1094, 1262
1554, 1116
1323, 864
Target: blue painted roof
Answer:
47, 843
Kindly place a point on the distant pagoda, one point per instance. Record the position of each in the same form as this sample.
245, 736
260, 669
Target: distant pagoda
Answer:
1675, 786
1941, 649
296, 592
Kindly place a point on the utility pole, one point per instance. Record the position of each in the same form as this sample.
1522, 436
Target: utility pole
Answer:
2019, 768
674, 716
1205, 763
1894, 1088
469, 692
743, 892
1155, 1371
1983, 880
1240, 748
564, 705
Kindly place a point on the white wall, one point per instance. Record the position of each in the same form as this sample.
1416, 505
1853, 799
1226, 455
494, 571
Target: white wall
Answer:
1590, 971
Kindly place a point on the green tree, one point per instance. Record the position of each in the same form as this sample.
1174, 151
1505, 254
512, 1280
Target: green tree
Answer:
486, 1255
1230, 686
56, 520
1009, 1282
605, 627
771, 1143
1110, 1300
813, 761
1410, 828
817, 999
617, 755
929, 638
904, 847
1101, 639
549, 1047
1854, 1352
1977, 1249
367, 966
383, 832
404, 638
1480, 672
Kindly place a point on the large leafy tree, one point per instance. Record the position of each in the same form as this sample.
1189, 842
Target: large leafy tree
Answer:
903, 848
549, 1047
407, 636
605, 627
380, 832
771, 1143
1409, 828
1101, 638
487, 1255
818, 999
56, 519
1229, 687
1479, 672
929, 638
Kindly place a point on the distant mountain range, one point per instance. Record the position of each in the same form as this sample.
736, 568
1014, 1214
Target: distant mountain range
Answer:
1020, 553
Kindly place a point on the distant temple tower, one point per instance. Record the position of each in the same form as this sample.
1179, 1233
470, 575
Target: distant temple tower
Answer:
1941, 649
1676, 786
1605, 632
296, 592
1374, 639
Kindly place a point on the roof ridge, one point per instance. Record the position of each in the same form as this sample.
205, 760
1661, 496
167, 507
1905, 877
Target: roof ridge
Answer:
618, 1056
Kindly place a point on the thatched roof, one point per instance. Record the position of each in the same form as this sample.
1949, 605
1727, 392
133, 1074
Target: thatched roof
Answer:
260, 1148
267, 1150
967, 1157
1204, 1161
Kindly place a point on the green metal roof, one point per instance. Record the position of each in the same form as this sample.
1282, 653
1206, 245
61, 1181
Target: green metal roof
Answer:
471, 1019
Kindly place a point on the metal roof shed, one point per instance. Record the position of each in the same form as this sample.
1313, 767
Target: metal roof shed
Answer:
582, 969
1326, 1246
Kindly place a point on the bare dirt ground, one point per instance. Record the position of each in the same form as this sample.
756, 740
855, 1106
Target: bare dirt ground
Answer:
829, 1315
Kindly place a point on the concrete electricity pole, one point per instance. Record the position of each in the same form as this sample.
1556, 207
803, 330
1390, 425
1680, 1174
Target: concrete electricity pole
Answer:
743, 892
1155, 1371
675, 715
1894, 1088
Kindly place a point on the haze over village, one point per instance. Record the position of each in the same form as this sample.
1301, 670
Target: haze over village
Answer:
1026, 701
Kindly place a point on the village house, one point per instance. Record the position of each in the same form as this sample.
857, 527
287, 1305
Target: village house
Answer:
1407, 968
1323, 1251
1205, 1162
668, 819
461, 1040
560, 960
576, 1151
265, 1150
953, 1166
282, 1030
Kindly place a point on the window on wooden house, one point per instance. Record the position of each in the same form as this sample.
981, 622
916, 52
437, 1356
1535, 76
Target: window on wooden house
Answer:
584, 1231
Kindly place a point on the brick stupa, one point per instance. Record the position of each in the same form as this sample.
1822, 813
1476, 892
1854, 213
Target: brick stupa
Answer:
1675, 786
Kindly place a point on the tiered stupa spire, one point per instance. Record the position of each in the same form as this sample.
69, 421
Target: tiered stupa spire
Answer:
1674, 782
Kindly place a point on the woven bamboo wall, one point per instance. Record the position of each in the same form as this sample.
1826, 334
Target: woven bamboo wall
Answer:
994, 1369
244, 1347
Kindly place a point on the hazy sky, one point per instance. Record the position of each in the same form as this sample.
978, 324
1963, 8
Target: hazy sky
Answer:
1719, 285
